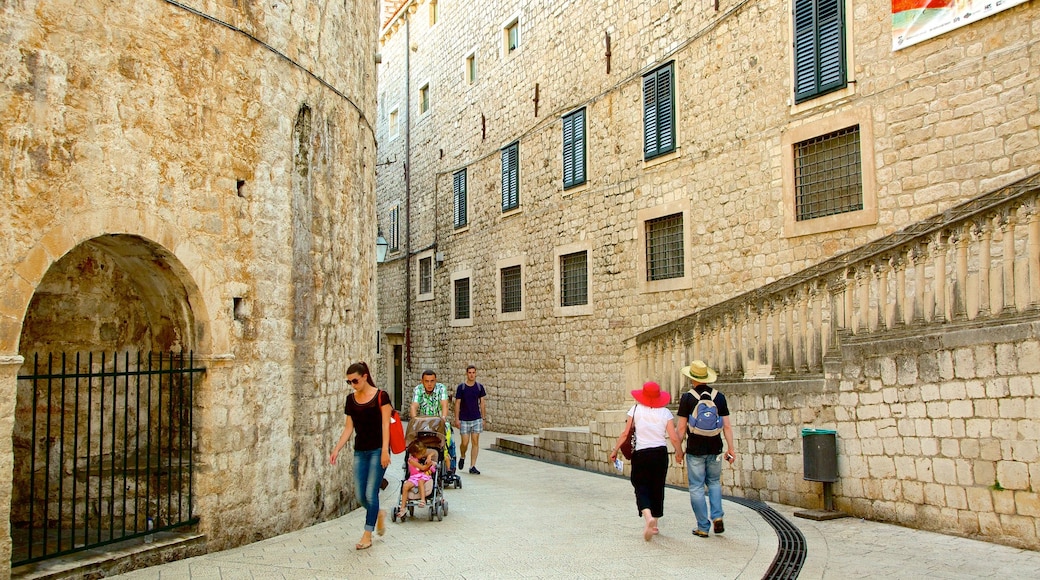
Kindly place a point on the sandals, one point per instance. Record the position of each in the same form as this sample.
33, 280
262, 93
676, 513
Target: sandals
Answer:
363, 545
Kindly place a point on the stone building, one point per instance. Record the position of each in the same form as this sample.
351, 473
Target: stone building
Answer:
835, 209
188, 265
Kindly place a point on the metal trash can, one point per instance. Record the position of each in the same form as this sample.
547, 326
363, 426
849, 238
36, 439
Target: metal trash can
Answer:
820, 455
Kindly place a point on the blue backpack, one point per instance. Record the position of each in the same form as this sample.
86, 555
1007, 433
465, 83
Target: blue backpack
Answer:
705, 419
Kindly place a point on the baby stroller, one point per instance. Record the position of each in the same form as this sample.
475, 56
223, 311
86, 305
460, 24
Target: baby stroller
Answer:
449, 477
432, 431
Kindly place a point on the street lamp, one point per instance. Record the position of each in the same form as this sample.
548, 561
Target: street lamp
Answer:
381, 247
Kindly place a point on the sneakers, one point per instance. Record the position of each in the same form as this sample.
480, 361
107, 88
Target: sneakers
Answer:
474, 471
700, 533
719, 527
462, 463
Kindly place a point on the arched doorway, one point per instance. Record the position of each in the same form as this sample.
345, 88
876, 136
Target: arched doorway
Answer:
103, 437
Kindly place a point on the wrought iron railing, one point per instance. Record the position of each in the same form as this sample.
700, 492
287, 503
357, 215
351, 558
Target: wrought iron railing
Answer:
103, 453
976, 261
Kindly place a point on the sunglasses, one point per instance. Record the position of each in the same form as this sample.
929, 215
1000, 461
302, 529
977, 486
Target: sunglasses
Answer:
353, 381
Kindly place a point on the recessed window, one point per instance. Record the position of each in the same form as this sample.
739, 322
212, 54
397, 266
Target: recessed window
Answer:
665, 256
574, 279
511, 36
471, 69
819, 48
426, 275
511, 177
395, 228
392, 124
462, 300
433, 13
828, 175
459, 200
512, 289
659, 112
424, 98
574, 149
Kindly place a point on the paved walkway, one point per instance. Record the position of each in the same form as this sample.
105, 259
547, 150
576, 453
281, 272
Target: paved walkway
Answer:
523, 518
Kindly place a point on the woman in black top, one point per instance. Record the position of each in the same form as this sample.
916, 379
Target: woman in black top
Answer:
368, 412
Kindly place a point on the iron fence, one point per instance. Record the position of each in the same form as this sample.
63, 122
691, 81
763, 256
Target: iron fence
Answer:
103, 451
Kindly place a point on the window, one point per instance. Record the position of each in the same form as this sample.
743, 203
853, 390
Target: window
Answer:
459, 198
819, 48
511, 289
574, 279
664, 248
426, 275
424, 98
392, 126
424, 280
511, 36
462, 302
511, 177
395, 222
574, 149
827, 175
471, 68
658, 112
433, 13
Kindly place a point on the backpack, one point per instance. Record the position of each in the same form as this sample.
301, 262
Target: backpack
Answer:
705, 419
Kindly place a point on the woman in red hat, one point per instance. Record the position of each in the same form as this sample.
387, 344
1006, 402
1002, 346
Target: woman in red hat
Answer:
653, 422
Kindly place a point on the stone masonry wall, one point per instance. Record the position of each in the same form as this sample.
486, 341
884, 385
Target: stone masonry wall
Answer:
950, 118
237, 142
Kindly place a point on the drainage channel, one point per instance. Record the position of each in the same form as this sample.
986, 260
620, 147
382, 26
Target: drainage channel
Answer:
790, 556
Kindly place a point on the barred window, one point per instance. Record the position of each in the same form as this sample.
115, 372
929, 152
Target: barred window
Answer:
828, 176
665, 256
574, 279
511, 289
462, 301
426, 275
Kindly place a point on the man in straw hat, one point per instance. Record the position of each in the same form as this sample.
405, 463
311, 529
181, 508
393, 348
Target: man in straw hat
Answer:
703, 466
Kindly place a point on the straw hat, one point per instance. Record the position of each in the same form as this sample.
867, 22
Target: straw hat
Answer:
651, 395
700, 372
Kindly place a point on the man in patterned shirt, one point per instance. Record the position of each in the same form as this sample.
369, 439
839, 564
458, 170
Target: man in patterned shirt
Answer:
431, 397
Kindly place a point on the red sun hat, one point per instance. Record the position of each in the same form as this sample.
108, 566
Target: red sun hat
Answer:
651, 395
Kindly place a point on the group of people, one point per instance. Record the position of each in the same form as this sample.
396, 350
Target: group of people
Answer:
367, 413
653, 423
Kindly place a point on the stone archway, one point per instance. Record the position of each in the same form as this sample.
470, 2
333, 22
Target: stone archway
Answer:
124, 296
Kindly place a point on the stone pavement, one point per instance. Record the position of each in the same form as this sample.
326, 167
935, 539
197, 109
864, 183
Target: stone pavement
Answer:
523, 518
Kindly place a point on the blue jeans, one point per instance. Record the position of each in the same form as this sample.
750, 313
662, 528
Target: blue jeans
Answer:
701, 471
368, 474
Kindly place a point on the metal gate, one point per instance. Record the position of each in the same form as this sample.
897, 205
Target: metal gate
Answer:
103, 454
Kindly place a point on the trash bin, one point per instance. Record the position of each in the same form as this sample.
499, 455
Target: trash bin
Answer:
819, 455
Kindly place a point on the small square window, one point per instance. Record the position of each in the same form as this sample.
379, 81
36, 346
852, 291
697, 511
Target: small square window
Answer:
827, 175
424, 98
471, 69
392, 124
665, 256
511, 37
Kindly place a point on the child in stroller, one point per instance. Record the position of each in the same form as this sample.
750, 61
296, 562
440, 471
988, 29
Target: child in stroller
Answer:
421, 486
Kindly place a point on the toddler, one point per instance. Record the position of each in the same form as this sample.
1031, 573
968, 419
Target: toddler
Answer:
422, 463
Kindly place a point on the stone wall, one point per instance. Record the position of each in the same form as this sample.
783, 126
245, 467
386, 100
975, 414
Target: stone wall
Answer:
937, 431
944, 121
227, 149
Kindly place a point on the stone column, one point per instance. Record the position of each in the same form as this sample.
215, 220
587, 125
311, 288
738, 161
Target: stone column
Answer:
9, 366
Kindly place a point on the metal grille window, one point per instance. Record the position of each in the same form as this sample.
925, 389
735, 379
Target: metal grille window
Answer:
395, 222
665, 255
511, 289
459, 198
819, 47
574, 279
511, 177
659, 112
462, 301
426, 275
828, 175
574, 149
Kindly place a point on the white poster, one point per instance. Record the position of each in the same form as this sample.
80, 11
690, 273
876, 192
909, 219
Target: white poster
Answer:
916, 20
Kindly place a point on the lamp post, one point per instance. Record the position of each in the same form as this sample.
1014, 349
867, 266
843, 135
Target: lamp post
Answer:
381, 247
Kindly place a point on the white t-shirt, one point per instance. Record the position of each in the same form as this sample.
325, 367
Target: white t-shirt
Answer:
651, 425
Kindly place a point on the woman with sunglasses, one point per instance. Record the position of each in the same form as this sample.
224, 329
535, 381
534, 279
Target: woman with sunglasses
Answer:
367, 412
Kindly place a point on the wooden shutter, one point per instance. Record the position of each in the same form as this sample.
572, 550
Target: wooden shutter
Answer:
819, 47
658, 112
510, 177
574, 149
459, 198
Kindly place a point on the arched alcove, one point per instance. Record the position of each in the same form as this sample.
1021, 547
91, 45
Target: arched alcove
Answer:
103, 432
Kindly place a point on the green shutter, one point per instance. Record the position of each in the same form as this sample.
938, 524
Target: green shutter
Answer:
658, 112
819, 47
511, 177
459, 198
574, 149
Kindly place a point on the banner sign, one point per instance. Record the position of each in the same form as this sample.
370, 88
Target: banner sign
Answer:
916, 20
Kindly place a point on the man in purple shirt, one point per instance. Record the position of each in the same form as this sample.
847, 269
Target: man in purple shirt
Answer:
470, 416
